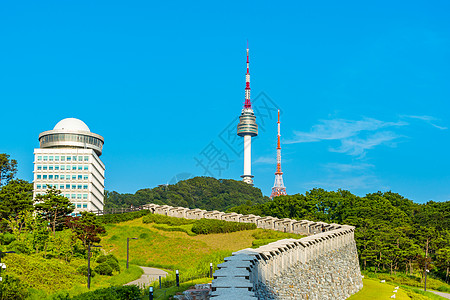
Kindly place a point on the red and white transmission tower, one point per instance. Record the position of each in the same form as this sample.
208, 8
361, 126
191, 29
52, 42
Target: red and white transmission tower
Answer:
278, 187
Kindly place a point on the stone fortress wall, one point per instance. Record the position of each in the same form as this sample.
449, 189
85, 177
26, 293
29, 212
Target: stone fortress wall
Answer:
323, 265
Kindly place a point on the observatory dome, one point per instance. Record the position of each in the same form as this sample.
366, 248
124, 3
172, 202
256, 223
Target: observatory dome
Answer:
71, 124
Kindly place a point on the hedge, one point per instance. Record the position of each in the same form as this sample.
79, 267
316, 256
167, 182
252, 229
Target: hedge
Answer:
161, 219
117, 218
207, 226
126, 292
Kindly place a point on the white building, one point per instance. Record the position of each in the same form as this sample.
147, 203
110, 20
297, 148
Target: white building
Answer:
68, 159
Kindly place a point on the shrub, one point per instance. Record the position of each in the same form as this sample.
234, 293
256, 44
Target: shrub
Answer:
208, 226
83, 270
13, 288
104, 269
117, 218
113, 264
161, 219
126, 292
101, 258
111, 257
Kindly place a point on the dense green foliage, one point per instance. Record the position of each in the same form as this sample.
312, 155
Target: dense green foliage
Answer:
199, 192
392, 232
208, 226
161, 219
13, 288
8, 168
126, 292
117, 218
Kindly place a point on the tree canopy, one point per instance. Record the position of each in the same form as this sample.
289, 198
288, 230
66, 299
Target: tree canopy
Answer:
8, 168
198, 192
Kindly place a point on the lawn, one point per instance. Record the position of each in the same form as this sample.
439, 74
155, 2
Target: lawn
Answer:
374, 289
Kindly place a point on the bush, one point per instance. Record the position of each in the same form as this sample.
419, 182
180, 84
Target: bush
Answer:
208, 226
83, 270
100, 259
113, 264
12, 288
117, 218
104, 269
126, 292
112, 257
161, 219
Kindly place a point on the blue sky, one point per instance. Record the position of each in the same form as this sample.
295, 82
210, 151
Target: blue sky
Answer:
363, 89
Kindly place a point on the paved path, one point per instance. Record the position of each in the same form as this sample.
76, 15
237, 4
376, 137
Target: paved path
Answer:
150, 275
445, 295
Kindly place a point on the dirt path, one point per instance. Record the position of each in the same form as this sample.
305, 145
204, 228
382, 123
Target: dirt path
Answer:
150, 275
445, 295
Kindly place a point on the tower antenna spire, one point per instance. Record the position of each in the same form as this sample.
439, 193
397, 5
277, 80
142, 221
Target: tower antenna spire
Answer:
278, 187
247, 103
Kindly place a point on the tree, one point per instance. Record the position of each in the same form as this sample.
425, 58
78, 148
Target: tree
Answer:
86, 228
16, 197
443, 260
53, 207
8, 168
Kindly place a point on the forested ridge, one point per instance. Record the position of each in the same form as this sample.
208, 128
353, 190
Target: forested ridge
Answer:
392, 233
198, 192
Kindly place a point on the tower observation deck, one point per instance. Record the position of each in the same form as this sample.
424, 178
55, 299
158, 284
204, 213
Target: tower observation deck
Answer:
247, 128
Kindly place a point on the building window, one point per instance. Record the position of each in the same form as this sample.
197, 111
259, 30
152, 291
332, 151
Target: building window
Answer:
73, 196
63, 158
80, 158
56, 176
74, 177
50, 167
45, 158
74, 167
86, 158
39, 168
61, 186
38, 186
74, 186
44, 167
68, 158
39, 158
85, 196
56, 158
80, 177
85, 186
79, 186
85, 177
78, 205
67, 186
84, 205
50, 158
78, 196
50, 176
56, 167
44, 186
86, 167
63, 167
74, 158
80, 167
44, 177
38, 177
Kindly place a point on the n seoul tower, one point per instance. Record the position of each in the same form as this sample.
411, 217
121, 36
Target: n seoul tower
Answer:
247, 128
278, 187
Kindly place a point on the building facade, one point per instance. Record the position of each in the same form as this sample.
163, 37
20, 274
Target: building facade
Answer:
69, 160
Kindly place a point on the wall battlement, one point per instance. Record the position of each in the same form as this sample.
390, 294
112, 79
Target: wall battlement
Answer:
322, 265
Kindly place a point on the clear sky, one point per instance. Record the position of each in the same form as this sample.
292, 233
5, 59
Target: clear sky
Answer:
363, 89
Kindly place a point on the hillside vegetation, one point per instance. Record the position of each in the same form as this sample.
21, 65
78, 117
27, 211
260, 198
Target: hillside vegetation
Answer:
393, 233
198, 192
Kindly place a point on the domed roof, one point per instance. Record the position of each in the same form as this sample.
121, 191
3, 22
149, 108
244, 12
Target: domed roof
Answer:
71, 124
